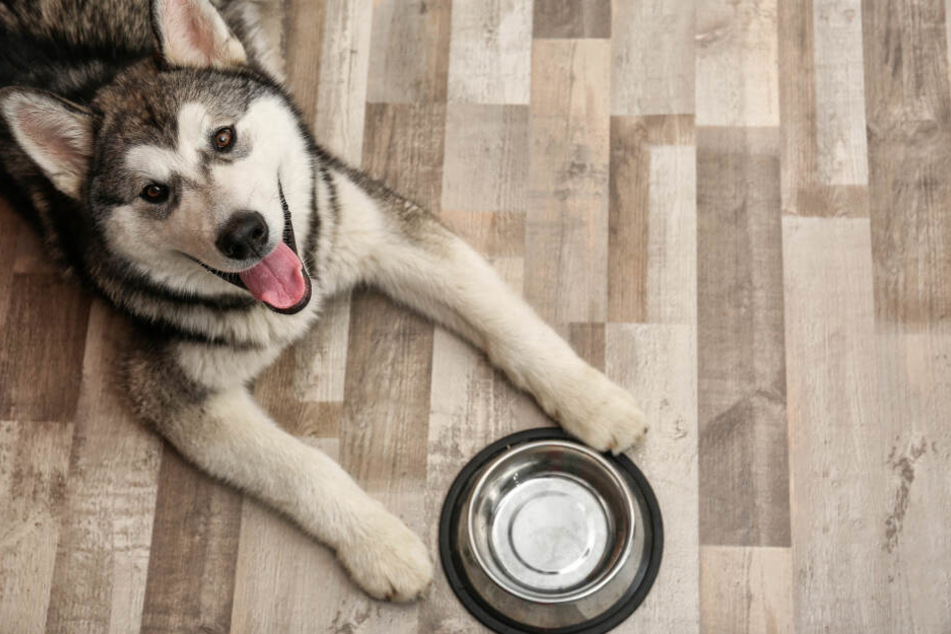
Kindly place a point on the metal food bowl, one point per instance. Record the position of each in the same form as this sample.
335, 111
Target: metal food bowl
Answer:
540, 534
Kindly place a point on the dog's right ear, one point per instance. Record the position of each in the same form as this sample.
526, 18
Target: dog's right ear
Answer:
56, 134
191, 33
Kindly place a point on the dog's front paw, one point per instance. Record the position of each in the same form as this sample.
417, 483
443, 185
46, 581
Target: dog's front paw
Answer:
387, 560
602, 414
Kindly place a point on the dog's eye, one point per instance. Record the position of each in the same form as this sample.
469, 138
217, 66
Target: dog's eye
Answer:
224, 138
155, 193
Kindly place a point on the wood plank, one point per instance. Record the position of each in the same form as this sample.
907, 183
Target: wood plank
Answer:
572, 19
737, 63
672, 236
909, 146
746, 590
490, 52
486, 158
34, 461
344, 65
840, 486
10, 227
567, 223
916, 457
103, 552
191, 571
804, 192
303, 52
409, 54
41, 348
628, 219
743, 439
652, 58
840, 93
492, 234
657, 363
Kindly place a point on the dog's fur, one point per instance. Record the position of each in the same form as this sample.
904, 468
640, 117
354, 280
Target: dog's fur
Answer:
135, 99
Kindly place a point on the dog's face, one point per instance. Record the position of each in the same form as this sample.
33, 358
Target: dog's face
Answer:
194, 170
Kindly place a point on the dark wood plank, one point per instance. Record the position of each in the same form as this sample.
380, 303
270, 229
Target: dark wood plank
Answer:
41, 348
572, 18
409, 51
588, 342
194, 552
744, 490
628, 220
10, 227
303, 40
909, 146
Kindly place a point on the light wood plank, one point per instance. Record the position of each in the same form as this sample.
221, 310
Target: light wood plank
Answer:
409, 56
672, 236
652, 57
34, 461
490, 52
344, 65
486, 158
657, 363
572, 18
103, 552
840, 93
567, 224
840, 488
737, 63
743, 439
746, 590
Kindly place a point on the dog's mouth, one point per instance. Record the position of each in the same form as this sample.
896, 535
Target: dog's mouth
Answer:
279, 279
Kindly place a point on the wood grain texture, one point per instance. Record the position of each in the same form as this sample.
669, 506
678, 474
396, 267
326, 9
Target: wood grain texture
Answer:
490, 52
108, 510
909, 122
571, 19
409, 53
737, 68
653, 361
40, 361
746, 590
567, 221
742, 381
804, 192
34, 465
652, 57
839, 480
486, 158
772, 286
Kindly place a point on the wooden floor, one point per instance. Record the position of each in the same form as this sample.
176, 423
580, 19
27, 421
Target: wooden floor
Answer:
741, 209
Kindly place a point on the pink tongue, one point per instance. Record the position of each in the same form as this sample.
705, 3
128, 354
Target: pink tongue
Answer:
277, 279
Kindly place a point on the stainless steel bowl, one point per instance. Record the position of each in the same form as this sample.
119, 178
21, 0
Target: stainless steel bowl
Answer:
547, 535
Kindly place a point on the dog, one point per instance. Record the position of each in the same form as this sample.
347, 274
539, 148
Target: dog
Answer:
156, 151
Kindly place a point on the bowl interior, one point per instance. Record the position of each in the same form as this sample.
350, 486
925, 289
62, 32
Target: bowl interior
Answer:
550, 521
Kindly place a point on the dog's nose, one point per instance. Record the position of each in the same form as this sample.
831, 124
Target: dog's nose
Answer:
244, 235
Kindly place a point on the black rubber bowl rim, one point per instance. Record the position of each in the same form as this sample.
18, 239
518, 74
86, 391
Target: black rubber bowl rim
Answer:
495, 620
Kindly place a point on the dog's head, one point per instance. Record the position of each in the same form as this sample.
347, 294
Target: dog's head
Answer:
194, 167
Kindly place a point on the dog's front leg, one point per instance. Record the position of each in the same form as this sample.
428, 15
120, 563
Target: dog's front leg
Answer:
226, 434
401, 248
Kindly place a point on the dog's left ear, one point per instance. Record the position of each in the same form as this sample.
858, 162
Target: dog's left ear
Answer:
192, 33
56, 134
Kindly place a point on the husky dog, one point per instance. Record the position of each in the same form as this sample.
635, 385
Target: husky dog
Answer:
157, 152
